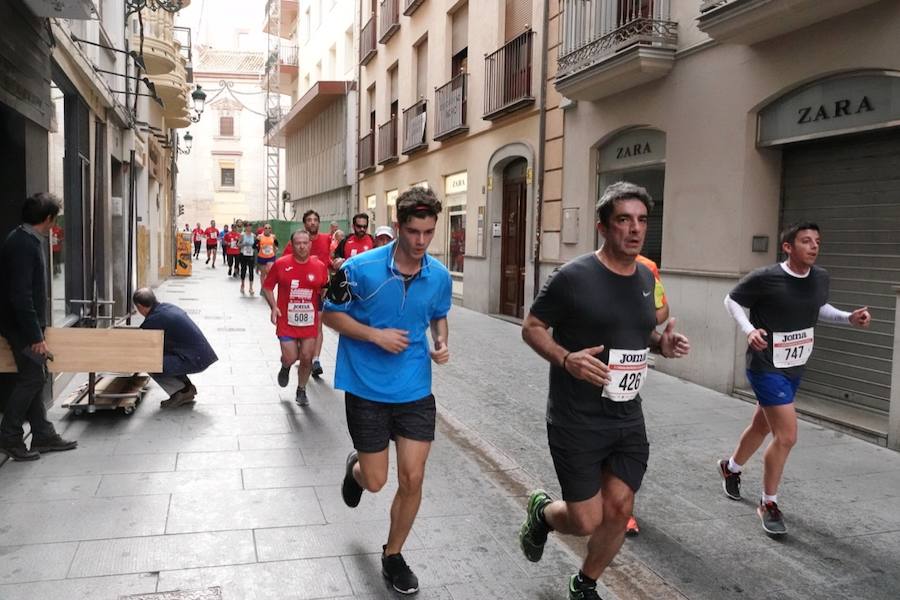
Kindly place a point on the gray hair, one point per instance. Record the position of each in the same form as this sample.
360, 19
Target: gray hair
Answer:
620, 190
144, 297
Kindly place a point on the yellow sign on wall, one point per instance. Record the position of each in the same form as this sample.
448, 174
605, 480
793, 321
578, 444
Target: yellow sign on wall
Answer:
183, 253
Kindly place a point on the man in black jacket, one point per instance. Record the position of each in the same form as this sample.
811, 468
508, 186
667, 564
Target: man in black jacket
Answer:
185, 349
23, 318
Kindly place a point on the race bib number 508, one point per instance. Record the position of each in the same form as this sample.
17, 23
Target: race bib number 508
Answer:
627, 374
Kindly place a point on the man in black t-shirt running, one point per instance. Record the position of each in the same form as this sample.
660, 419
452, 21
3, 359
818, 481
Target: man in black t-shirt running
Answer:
601, 309
786, 301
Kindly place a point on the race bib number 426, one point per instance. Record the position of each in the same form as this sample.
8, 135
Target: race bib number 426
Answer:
791, 348
627, 374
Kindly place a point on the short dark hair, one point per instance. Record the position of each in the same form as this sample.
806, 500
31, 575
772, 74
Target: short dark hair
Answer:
144, 297
790, 232
620, 190
38, 207
361, 216
311, 212
298, 231
418, 202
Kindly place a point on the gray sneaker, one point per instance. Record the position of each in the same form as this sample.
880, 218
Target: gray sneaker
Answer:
771, 518
302, 399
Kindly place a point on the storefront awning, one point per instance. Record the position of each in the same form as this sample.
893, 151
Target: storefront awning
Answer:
308, 107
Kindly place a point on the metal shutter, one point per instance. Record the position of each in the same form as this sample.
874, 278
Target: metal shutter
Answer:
850, 186
518, 18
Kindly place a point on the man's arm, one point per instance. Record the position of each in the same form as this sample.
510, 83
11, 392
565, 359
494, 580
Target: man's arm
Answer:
21, 284
440, 332
275, 312
581, 364
394, 341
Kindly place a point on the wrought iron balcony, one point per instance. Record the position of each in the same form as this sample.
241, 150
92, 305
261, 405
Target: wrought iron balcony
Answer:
390, 19
387, 141
410, 6
368, 44
367, 152
507, 77
414, 122
608, 47
285, 56
752, 21
451, 102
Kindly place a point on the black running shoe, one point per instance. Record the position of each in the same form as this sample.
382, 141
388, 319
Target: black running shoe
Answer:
284, 375
317, 369
579, 590
350, 489
731, 482
302, 399
533, 532
771, 518
395, 570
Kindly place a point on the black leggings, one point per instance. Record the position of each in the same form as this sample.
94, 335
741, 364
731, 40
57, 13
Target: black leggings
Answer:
196, 249
247, 266
233, 261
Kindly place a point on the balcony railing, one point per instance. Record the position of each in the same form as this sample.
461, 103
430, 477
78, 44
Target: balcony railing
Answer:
284, 56
368, 44
387, 141
367, 152
451, 104
507, 80
592, 33
410, 6
390, 19
709, 4
414, 121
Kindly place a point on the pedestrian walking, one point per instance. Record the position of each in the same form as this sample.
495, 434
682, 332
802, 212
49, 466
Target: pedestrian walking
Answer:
23, 318
185, 348
300, 279
382, 303
602, 311
785, 301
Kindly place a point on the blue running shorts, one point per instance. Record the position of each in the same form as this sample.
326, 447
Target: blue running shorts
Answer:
773, 389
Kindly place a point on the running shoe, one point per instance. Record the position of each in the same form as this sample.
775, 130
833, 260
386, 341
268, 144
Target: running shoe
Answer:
731, 482
771, 518
632, 529
302, 399
395, 570
350, 489
533, 532
578, 590
317, 369
284, 375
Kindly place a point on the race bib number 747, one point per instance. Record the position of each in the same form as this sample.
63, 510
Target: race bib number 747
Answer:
627, 374
791, 348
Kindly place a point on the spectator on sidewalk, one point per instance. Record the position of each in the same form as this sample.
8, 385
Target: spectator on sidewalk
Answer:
185, 349
23, 318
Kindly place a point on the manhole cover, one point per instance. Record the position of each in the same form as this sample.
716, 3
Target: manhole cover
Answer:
213, 593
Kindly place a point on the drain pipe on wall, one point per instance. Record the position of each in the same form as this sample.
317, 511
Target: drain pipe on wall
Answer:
542, 142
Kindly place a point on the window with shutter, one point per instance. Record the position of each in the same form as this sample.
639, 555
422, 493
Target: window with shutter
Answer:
518, 18
226, 126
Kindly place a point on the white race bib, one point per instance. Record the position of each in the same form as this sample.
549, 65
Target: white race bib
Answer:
791, 348
301, 314
627, 374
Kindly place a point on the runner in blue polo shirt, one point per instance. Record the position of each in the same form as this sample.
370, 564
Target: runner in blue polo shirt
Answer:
382, 303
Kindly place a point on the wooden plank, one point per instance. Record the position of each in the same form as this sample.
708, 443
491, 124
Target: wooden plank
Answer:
97, 350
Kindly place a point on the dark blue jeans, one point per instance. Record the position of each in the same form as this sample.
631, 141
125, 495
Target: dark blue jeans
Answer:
25, 403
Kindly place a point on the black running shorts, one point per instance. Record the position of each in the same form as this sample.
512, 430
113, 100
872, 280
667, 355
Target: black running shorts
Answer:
581, 456
373, 424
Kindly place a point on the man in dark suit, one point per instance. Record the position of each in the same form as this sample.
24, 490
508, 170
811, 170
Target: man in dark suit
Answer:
185, 349
23, 318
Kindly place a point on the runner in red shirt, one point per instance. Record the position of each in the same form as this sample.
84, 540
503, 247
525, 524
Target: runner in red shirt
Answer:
212, 242
354, 244
198, 235
320, 247
232, 250
300, 279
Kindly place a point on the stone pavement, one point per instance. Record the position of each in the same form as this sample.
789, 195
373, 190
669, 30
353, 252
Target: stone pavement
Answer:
239, 496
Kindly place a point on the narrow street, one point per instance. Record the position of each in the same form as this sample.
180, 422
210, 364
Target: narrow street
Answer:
239, 495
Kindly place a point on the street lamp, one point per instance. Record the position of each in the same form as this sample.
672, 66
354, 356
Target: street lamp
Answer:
188, 142
198, 96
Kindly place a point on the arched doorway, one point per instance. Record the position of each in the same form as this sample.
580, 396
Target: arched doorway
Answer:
638, 156
512, 250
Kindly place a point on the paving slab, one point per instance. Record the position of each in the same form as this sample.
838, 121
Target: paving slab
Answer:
37, 562
173, 482
90, 588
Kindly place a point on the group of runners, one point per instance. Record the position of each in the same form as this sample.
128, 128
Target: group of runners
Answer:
595, 321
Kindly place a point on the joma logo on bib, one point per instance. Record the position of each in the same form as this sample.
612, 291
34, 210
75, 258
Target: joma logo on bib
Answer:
790, 337
633, 358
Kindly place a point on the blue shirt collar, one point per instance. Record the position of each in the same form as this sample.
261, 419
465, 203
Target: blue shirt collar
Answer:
424, 270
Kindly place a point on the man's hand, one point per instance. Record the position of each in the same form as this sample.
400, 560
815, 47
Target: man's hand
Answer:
584, 365
394, 341
276, 314
441, 353
41, 348
757, 340
861, 317
673, 344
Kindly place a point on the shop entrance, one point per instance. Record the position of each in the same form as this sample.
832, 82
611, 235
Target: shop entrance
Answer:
512, 250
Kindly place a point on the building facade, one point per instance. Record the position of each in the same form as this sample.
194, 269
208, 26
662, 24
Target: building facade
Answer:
451, 97
742, 116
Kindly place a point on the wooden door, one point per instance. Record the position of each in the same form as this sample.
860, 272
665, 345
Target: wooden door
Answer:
512, 254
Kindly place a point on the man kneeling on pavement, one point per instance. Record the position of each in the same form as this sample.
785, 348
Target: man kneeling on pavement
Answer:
185, 349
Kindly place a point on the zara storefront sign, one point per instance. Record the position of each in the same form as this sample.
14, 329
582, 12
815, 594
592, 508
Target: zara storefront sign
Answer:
834, 106
633, 148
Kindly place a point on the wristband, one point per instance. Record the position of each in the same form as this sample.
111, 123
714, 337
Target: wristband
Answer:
565, 358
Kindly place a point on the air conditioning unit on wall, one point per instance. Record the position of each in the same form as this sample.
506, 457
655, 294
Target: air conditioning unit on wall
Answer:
63, 9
